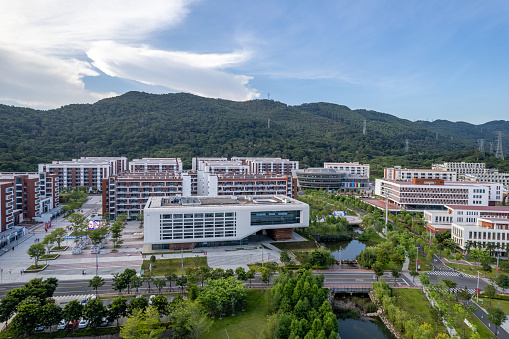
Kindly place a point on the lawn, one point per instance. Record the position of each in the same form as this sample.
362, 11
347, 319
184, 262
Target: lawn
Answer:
416, 305
295, 245
423, 261
245, 325
51, 256
163, 266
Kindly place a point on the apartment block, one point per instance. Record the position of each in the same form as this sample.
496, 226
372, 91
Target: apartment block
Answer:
428, 194
269, 165
26, 194
404, 174
461, 167
127, 193
488, 176
6, 208
86, 171
354, 168
156, 165
189, 222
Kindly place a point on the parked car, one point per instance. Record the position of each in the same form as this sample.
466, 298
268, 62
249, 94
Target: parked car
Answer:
72, 324
83, 323
150, 299
85, 301
40, 328
62, 325
104, 322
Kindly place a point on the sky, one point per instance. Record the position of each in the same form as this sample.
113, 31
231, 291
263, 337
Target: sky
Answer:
418, 60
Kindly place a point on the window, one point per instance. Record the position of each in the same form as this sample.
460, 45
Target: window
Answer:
275, 218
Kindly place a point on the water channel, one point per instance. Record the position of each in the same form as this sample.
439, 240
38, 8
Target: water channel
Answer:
346, 250
372, 328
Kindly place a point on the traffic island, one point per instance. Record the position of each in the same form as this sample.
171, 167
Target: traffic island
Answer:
35, 269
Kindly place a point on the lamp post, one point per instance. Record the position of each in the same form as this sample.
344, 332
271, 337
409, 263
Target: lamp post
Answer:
477, 289
386, 207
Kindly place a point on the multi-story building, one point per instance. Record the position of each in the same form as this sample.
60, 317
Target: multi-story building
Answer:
48, 188
354, 168
197, 160
6, 208
223, 167
188, 222
127, 193
330, 179
156, 165
488, 176
461, 167
27, 194
425, 194
86, 171
269, 165
404, 174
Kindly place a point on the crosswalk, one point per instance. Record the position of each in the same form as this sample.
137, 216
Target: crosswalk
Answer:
62, 300
451, 274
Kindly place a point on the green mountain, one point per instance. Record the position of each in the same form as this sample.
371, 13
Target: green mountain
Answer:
183, 125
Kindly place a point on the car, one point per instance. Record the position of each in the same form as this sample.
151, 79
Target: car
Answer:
83, 323
104, 322
62, 325
85, 301
72, 324
40, 328
150, 299
139, 296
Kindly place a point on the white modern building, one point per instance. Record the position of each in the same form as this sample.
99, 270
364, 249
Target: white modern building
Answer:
85, 171
461, 167
405, 174
188, 222
488, 176
353, 168
156, 165
269, 165
429, 194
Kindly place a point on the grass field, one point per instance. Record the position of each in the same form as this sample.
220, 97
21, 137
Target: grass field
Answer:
245, 325
163, 266
415, 304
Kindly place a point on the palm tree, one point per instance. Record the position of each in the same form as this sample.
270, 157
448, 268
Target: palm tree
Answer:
468, 245
491, 247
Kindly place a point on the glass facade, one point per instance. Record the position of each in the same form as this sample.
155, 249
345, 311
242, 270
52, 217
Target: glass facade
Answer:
197, 225
275, 218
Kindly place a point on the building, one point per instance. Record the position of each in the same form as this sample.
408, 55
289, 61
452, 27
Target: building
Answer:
269, 165
354, 168
127, 193
461, 167
404, 174
223, 167
27, 196
156, 165
428, 194
49, 188
197, 160
6, 207
488, 176
330, 179
189, 222
86, 171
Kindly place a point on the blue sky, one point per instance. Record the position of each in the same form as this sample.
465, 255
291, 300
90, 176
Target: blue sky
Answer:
419, 60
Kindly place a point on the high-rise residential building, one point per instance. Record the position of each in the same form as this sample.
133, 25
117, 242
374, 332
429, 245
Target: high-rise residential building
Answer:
404, 174
269, 165
156, 165
86, 171
6, 208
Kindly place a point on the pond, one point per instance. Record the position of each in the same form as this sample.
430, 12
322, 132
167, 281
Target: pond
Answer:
372, 328
346, 250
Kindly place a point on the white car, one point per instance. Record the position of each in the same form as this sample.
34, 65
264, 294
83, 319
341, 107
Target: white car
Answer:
150, 299
85, 301
40, 328
83, 323
105, 322
62, 325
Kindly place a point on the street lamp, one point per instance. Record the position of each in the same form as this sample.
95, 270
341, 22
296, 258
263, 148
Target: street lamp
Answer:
477, 289
386, 207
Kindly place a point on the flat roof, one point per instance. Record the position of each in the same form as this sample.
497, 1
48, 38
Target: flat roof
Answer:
499, 220
478, 208
160, 202
446, 183
381, 204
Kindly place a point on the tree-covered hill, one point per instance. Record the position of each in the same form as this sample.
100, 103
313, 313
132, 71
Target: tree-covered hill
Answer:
183, 125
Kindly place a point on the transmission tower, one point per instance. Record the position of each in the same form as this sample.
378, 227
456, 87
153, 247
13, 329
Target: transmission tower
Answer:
491, 147
364, 128
499, 153
268, 96
406, 145
481, 146
436, 136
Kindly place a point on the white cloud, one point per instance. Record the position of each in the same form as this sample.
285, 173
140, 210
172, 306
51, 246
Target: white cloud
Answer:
44, 45
181, 71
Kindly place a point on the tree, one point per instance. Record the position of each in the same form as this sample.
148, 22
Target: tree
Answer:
72, 311
204, 273
284, 257
171, 277
264, 271
229, 273
182, 282
136, 283
503, 282
396, 272
148, 277
48, 241
160, 303
117, 309
424, 279
51, 315
28, 315
497, 317
8, 306
414, 274
36, 251
95, 283
116, 232
250, 275
490, 292
190, 318
95, 311
241, 273
59, 235
119, 282
142, 325
378, 269
129, 275
139, 303
159, 283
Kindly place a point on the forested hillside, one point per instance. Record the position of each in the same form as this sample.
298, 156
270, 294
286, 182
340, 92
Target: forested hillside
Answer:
183, 125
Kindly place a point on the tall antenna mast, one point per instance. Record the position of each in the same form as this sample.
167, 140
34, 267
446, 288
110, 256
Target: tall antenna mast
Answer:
364, 128
268, 96
406, 145
481, 146
499, 153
